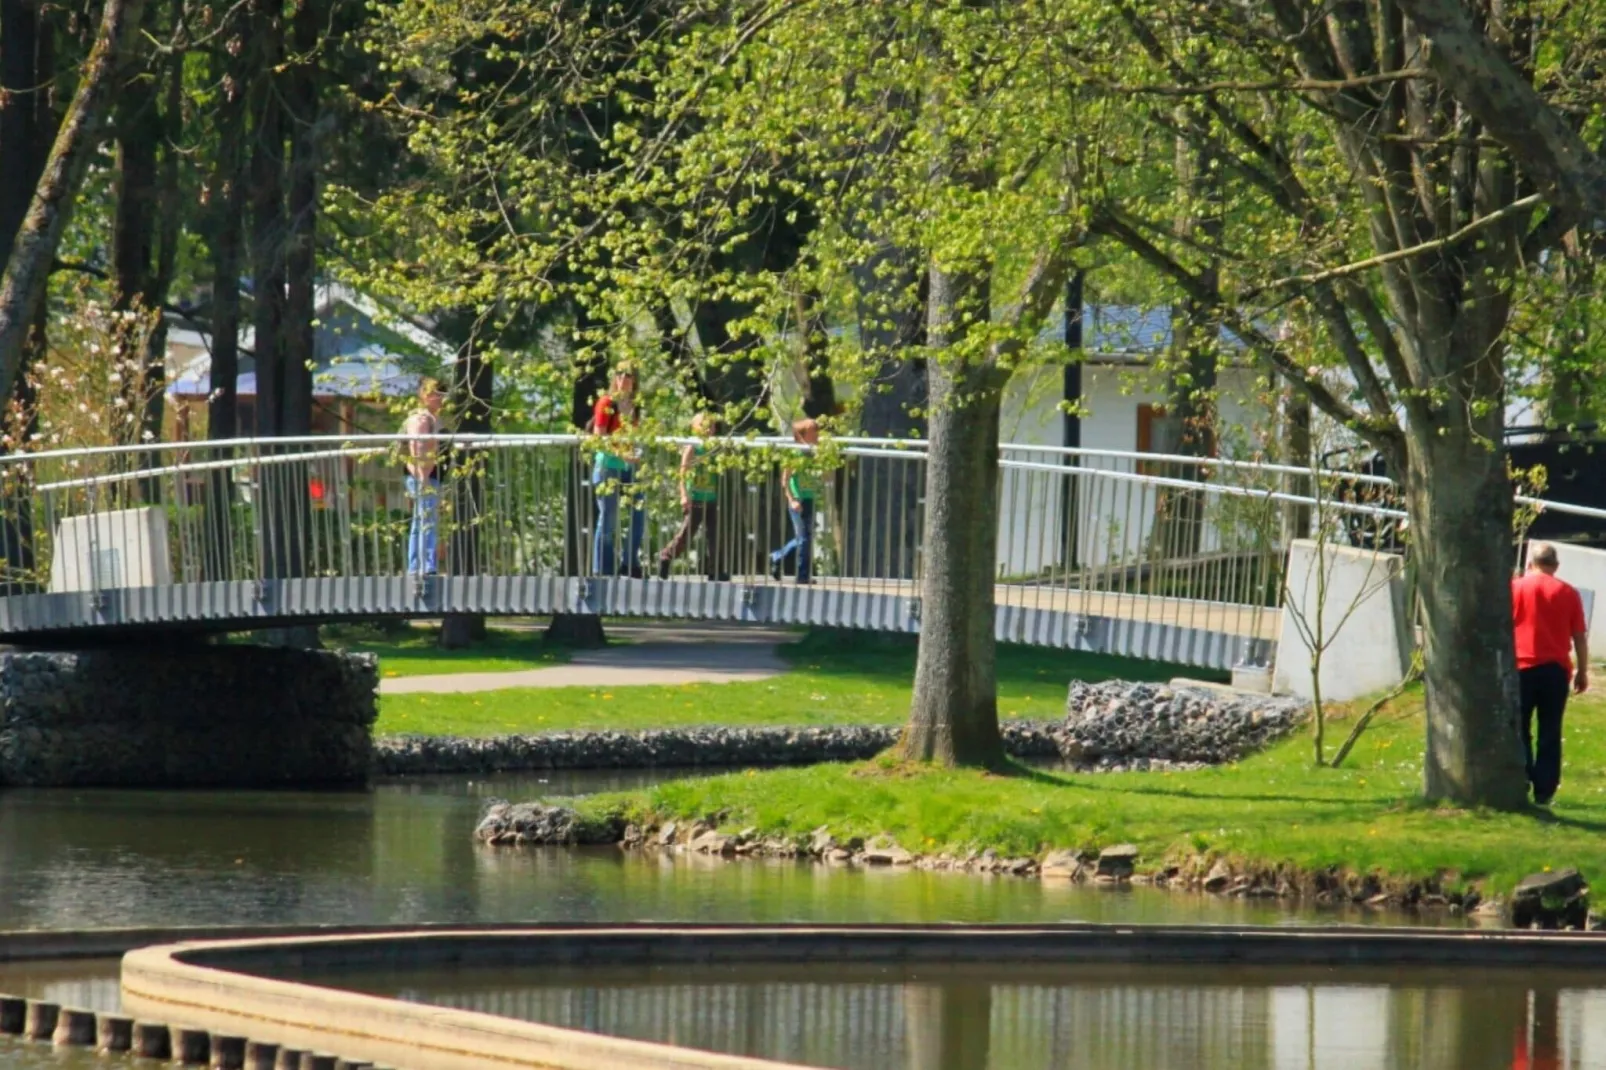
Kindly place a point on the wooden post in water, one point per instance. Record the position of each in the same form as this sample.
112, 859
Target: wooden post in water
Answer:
113, 1032
74, 1028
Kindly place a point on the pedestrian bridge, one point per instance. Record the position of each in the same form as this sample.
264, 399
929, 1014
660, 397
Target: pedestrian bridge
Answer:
1144, 555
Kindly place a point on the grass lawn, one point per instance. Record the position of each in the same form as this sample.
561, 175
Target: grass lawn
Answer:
1270, 809
416, 651
837, 677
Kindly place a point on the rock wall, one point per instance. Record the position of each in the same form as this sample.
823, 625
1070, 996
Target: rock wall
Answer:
712, 746
1140, 726
186, 715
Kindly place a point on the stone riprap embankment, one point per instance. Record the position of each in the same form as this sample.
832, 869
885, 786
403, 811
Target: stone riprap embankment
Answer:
186, 714
1138, 726
669, 747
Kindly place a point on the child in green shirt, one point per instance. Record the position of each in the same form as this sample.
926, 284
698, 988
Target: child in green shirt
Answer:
699, 502
802, 491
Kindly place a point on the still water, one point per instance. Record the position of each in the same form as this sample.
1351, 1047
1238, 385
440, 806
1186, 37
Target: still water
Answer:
404, 852
1092, 1018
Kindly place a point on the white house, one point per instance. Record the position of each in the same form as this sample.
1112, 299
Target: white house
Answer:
1121, 410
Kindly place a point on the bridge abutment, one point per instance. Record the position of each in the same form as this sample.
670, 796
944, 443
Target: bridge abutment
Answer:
179, 714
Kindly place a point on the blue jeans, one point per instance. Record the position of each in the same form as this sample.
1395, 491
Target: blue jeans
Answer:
603, 538
422, 536
802, 542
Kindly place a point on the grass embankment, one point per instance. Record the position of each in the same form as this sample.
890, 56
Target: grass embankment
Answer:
1271, 809
415, 651
835, 678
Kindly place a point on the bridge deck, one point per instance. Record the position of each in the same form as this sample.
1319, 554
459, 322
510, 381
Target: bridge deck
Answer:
1206, 634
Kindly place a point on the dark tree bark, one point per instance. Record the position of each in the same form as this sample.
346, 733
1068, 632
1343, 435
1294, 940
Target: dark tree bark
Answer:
267, 216
954, 715
225, 220
27, 269
590, 380
20, 133
137, 122
1503, 99
303, 93
472, 388
169, 228
226, 201
819, 389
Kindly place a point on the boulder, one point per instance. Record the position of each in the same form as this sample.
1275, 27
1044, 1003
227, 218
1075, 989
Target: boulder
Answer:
1551, 900
1117, 861
1062, 864
882, 851
1219, 877
542, 825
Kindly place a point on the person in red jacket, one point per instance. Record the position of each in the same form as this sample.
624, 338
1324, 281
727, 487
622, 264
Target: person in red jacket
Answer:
1548, 617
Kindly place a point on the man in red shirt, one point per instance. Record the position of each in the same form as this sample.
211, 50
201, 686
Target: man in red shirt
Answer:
1548, 616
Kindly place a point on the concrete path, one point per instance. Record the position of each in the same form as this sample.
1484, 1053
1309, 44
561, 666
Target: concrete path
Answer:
648, 654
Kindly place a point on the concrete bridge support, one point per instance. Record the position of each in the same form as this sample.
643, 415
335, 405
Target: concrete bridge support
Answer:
178, 713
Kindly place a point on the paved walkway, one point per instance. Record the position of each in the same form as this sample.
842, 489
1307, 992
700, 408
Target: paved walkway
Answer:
650, 654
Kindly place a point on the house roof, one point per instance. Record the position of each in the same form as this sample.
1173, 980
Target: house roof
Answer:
360, 349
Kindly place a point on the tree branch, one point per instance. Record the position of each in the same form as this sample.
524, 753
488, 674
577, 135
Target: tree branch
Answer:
1514, 208
1513, 112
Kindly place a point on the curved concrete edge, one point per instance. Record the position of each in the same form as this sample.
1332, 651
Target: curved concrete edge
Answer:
167, 983
221, 985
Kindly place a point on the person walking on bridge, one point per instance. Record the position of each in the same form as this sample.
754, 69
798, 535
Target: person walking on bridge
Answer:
613, 475
423, 478
699, 502
802, 488
1548, 617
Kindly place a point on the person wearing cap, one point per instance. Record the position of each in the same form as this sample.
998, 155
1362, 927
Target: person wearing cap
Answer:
1548, 618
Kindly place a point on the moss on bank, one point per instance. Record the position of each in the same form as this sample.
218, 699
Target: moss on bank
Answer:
1272, 810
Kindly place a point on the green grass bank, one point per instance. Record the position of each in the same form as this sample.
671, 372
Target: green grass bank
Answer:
1274, 809
835, 678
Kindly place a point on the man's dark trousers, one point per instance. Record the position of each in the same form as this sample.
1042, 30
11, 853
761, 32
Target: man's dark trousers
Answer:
1544, 692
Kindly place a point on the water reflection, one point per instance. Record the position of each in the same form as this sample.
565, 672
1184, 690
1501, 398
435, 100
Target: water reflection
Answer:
404, 852
1098, 1019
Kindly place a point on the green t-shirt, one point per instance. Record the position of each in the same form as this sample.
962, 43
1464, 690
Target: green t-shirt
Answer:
803, 486
702, 483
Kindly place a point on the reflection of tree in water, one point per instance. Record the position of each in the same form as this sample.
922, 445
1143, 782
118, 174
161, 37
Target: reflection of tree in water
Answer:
948, 1027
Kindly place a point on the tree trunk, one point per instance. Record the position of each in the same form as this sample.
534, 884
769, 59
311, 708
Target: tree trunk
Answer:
1459, 500
302, 93
26, 271
954, 715
138, 125
225, 195
268, 232
169, 216
20, 134
472, 387
590, 379
948, 1026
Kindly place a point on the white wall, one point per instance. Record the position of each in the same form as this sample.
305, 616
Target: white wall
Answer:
1351, 606
1115, 517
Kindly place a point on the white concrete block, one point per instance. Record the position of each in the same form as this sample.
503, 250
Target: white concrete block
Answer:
1585, 569
105, 551
1364, 622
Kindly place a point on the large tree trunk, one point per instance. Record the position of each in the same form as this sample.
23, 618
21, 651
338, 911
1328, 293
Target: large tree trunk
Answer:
138, 124
953, 719
472, 386
590, 380
27, 269
20, 135
1459, 499
226, 201
268, 232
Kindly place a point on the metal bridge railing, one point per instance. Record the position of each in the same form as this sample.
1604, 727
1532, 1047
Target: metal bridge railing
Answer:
1194, 542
